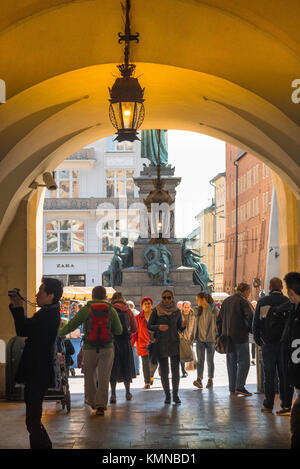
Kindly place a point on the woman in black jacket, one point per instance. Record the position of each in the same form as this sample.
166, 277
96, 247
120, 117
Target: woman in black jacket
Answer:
166, 321
123, 370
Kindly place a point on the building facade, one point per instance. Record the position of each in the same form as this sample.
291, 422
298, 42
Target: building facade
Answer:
194, 240
91, 210
219, 183
249, 190
206, 222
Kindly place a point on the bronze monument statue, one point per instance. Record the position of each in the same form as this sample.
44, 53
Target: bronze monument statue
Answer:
150, 145
113, 275
191, 259
126, 254
158, 260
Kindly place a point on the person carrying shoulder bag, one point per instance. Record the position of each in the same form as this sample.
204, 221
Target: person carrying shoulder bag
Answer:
236, 315
166, 321
204, 334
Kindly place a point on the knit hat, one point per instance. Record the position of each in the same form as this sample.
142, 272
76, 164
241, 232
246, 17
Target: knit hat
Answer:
146, 298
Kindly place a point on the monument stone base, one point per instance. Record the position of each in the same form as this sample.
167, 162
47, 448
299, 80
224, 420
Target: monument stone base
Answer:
136, 282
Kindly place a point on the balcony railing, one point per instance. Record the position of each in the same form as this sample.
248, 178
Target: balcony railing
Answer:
84, 154
91, 203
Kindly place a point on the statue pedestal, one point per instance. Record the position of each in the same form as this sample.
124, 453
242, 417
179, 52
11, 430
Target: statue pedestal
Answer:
146, 186
136, 282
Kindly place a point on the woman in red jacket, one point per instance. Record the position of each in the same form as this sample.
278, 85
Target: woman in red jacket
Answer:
142, 339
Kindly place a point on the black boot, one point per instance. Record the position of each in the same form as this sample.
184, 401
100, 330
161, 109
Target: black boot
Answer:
176, 397
166, 388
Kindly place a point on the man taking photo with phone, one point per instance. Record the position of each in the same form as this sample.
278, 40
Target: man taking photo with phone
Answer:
36, 370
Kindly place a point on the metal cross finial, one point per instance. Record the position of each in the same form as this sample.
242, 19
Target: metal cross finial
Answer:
127, 69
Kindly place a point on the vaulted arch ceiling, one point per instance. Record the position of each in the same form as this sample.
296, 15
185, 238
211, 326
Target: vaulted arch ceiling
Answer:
219, 67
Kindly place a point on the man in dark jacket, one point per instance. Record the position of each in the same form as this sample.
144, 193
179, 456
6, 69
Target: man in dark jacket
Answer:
234, 321
291, 336
36, 366
268, 326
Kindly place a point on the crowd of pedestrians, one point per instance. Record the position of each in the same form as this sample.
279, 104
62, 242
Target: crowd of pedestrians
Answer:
117, 335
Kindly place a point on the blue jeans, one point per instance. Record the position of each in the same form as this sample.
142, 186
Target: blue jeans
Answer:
238, 364
77, 346
136, 360
209, 347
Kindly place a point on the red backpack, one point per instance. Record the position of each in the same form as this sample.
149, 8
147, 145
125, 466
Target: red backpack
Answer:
98, 326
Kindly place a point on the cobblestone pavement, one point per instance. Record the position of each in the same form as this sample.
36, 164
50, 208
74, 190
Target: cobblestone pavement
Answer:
207, 418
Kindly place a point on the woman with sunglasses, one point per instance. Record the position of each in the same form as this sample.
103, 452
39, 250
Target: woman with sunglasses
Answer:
166, 321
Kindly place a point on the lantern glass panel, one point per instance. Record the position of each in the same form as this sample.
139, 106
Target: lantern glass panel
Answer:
128, 112
115, 115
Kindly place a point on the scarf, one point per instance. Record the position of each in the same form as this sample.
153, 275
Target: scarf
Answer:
187, 317
142, 314
166, 310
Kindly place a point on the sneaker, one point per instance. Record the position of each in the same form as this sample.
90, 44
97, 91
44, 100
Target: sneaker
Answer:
266, 410
284, 412
147, 386
113, 399
209, 383
243, 391
100, 411
184, 375
198, 383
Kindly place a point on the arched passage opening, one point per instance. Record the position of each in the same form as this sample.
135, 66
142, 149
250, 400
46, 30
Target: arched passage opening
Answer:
206, 81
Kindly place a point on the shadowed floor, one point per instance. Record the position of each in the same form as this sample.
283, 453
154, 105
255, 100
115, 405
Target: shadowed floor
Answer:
207, 418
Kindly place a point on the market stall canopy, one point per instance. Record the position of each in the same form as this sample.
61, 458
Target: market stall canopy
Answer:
219, 296
81, 293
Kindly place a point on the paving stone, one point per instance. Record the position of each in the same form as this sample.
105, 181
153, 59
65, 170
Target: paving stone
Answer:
206, 419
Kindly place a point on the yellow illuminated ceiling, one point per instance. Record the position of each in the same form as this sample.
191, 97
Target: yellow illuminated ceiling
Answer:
223, 68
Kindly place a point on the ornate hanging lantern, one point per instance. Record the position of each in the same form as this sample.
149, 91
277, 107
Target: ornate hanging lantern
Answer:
126, 110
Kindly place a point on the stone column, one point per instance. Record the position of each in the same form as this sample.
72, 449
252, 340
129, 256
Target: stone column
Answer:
288, 215
21, 266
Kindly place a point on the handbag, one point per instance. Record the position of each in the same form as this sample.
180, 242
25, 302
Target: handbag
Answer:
190, 366
152, 349
223, 344
185, 350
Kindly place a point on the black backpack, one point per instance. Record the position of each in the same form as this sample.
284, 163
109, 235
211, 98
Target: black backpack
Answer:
274, 325
125, 325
